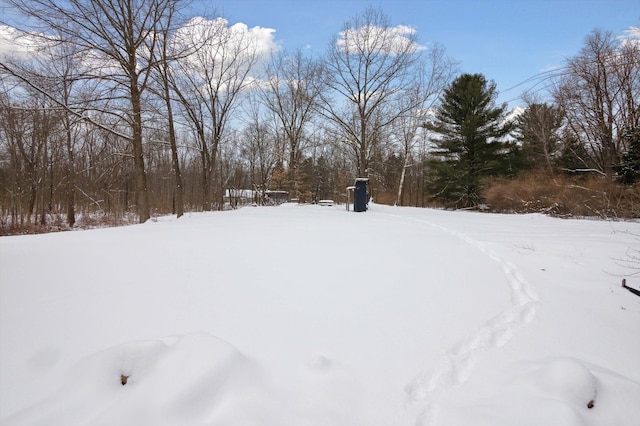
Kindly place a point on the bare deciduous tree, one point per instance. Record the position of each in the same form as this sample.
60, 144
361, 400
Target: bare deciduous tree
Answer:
260, 149
368, 66
600, 95
166, 53
292, 91
54, 72
212, 79
118, 35
538, 129
433, 74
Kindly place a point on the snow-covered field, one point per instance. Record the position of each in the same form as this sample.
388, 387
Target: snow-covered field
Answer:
309, 315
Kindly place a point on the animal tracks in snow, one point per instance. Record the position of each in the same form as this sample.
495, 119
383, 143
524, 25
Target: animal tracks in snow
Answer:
457, 364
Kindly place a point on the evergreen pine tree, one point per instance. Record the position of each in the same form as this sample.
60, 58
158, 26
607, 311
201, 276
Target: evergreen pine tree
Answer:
468, 127
628, 170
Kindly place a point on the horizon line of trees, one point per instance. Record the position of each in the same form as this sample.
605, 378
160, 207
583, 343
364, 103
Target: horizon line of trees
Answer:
127, 108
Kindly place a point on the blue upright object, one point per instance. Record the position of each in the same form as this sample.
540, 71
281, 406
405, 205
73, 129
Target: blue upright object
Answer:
360, 195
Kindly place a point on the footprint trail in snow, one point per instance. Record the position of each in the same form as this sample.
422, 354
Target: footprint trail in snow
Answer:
457, 364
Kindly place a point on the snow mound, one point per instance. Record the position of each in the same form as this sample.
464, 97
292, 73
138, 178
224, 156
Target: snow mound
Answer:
190, 379
552, 392
568, 380
567, 392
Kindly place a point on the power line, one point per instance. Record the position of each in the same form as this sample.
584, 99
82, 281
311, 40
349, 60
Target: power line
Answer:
547, 77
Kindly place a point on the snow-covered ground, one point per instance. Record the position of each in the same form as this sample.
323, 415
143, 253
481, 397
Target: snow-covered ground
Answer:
309, 315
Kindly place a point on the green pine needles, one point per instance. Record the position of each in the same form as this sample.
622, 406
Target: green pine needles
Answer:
468, 131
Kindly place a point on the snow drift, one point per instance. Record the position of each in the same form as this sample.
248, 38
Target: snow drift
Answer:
309, 315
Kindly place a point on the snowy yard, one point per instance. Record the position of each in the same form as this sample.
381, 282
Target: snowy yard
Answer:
310, 315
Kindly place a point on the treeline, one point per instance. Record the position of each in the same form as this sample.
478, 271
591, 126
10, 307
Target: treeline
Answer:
115, 111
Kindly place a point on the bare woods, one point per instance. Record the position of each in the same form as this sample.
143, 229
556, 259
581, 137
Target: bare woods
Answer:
112, 112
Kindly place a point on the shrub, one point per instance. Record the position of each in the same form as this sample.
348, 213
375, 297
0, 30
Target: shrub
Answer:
562, 195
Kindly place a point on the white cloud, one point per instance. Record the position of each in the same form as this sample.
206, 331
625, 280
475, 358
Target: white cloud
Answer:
391, 40
631, 35
14, 42
261, 38
224, 53
219, 37
237, 41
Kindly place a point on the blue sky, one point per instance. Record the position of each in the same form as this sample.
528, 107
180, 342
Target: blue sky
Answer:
506, 40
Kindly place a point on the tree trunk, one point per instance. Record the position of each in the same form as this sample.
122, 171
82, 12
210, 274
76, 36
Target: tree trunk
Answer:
70, 190
179, 197
402, 174
143, 207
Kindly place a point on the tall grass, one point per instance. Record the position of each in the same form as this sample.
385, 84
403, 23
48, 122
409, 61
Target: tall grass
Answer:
563, 195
